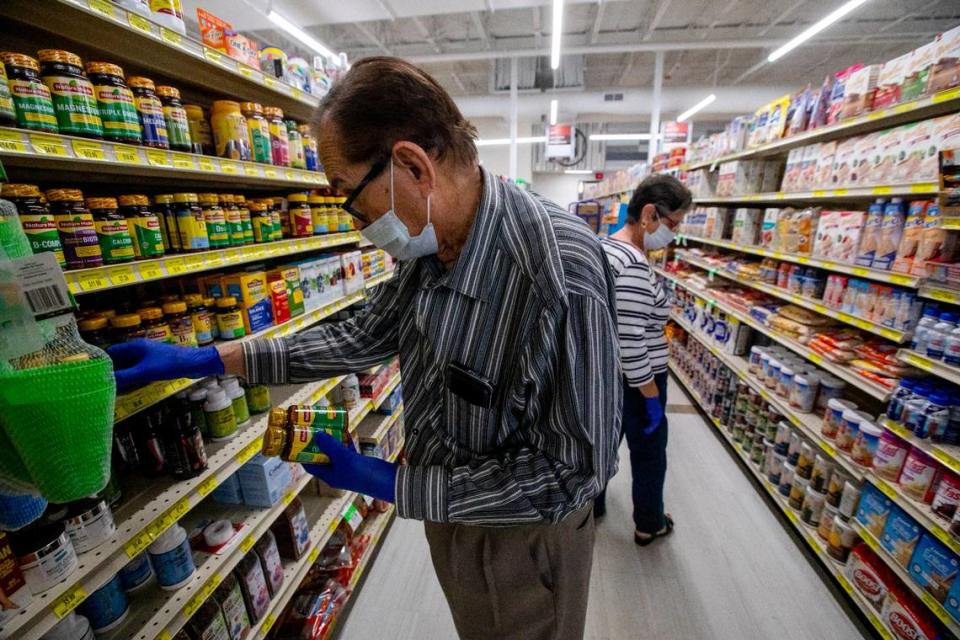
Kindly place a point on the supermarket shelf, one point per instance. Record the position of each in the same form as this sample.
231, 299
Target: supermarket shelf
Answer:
387, 390
820, 195
613, 194
836, 267
130, 403
849, 375
920, 512
947, 455
138, 43
396, 454
936, 367
806, 532
375, 427
923, 108
103, 278
898, 337
145, 515
34, 155
378, 279
359, 412
931, 603
940, 294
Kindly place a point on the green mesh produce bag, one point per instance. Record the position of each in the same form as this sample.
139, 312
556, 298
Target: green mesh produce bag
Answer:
56, 408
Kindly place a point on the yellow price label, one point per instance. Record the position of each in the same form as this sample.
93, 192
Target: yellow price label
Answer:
175, 266
247, 543
180, 509
791, 516
184, 161
48, 145
127, 155
138, 22
207, 164
270, 82
229, 167
841, 192
830, 451
297, 93
12, 141
231, 256
882, 191
158, 158
946, 458
92, 280
876, 115
121, 275
870, 540
289, 174
164, 635
943, 96
288, 497
885, 489
88, 150
151, 271
213, 55
271, 172
207, 486
820, 193
331, 528
246, 71
101, 6
196, 262
68, 601
935, 606
844, 583
923, 188
814, 358
268, 622
251, 170
138, 543
193, 604
250, 450
170, 37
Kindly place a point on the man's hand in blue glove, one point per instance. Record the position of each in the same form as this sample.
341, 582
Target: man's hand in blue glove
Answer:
654, 414
354, 472
138, 362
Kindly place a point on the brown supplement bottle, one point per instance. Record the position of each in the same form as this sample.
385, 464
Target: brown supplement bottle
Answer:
262, 221
201, 318
116, 244
38, 223
216, 220
259, 131
115, 100
181, 323
94, 331
201, 136
178, 127
150, 110
144, 226
74, 100
167, 213
231, 213
31, 98
245, 219
78, 234
154, 325
127, 327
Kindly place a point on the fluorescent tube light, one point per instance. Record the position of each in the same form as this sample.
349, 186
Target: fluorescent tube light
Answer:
553, 112
557, 31
601, 137
578, 172
815, 28
301, 35
700, 105
494, 142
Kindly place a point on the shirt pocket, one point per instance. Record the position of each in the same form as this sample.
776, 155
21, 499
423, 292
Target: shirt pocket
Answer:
472, 427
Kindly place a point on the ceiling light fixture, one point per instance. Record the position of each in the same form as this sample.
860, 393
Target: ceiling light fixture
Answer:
557, 31
553, 112
604, 137
494, 142
578, 172
815, 28
302, 36
700, 105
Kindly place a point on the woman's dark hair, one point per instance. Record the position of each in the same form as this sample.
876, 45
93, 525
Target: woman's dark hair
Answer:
668, 193
382, 100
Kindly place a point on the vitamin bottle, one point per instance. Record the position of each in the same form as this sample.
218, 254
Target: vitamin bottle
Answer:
31, 98
230, 136
115, 102
201, 136
318, 213
94, 331
261, 221
154, 325
245, 219
150, 112
8, 113
191, 222
168, 13
275, 207
144, 226
218, 412
291, 432
211, 304
279, 143
181, 323
127, 326
229, 319
78, 234
167, 213
346, 220
238, 400
38, 223
311, 154
183, 446
295, 146
231, 213
71, 92
259, 131
178, 127
301, 219
116, 245
200, 318
216, 220
258, 398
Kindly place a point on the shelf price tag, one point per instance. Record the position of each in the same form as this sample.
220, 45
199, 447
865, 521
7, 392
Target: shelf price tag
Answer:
251, 170
247, 543
170, 37
101, 6
175, 266
92, 280
68, 601
943, 96
48, 145
138, 543
138, 22
882, 191
12, 141
828, 449
231, 255
207, 486
158, 158
127, 155
89, 150
268, 622
885, 488
248, 72
151, 271
230, 167
271, 173
946, 458
270, 82
207, 164
184, 161
213, 55
164, 635
290, 174
250, 450
288, 497
121, 275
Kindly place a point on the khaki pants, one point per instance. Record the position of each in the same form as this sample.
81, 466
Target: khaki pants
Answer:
527, 582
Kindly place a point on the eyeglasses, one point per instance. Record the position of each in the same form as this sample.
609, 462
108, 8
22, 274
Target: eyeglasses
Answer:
372, 175
665, 217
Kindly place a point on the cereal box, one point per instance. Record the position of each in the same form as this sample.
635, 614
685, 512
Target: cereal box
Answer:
945, 71
889, 145
858, 91
873, 510
791, 173
934, 567
808, 167
915, 83
900, 536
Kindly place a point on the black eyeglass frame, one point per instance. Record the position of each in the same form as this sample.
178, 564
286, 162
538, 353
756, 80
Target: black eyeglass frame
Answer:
371, 175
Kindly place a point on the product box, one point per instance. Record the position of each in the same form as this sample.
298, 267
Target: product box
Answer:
228, 492
279, 301
371, 385
952, 603
869, 575
263, 480
864, 154
777, 119
330, 282
824, 172
934, 567
211, 286
746, 226
793, 169
807, 179
290, 276
906, 616
768, 229
393, 402
918, 157
890, 81
945, 71
873, 510
213, 30
843, 163
251, 292
310, 279
352, 264
900, 536
858, 91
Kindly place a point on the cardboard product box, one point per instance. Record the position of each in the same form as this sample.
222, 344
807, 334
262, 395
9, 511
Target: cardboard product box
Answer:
791, 172
768, 229
843, 163
921, 61
772, 175
858, 92
864, 153
934, 567
279, 301
918, 157
809, 158
873, 509
952, 603
366, 265
945, 70
749, 178
251, 291
352, 265
211, 286
310, 277
777, 120
726, 176
331, 285
263, 480
849, 231
758, 132
290, 276
890, 81
824, 170
889, 144
229, 491
900, 536
746, 226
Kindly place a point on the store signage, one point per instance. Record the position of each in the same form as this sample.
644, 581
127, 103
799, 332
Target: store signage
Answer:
561, 141
673, 133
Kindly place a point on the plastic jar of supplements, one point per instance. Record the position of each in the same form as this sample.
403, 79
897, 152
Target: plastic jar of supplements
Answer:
8, 113
171, 558
216, 220
318, 213
200, 318
89, 523
107, 607
144, 226
279, 142
258, 398
181, 324
72, 93
45, 555
301, 218
150, 111
115, 102
201, 136
311, 153
31, 98
259, 131
191, 222
229, 319
275, 207
211, 304
230, 136
238, 399
116, 245
127, 326
231, 213
78, 234
167, 213
38, 223
178, 127
94, 331
154, 325
295, 145
218, 412
290, 432
346, 220
245, 219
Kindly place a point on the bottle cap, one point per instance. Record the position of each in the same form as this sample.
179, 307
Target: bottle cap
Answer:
276, 434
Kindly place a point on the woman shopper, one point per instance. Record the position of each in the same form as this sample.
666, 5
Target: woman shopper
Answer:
655, 210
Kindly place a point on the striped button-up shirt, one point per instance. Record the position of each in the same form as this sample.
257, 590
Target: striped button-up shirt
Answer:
529, 308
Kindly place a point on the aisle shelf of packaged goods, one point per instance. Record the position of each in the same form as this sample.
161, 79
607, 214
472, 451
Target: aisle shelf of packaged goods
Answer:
83, 281
938, 104
378, 279
809, 425
387, 390
151, 507
845, 373
947, 455
931, 603
375, 427
806, 532
888, 277
938, 368
821, 195
893, 335
34, 155
130, 403
125, 37
940, 293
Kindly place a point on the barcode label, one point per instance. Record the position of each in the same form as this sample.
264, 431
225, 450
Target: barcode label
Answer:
42, 283
45, 300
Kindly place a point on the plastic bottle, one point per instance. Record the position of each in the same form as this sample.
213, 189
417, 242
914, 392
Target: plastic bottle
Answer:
951, 348
31, 98
901, 394
218, 408
73, 627
290, 432
183, 443
930, 316
169, 13
178, 127
937, 335
936, 416
171, 558
238, 400
8, 113
153, 125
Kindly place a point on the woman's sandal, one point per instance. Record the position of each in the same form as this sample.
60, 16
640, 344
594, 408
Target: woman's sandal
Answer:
644, 540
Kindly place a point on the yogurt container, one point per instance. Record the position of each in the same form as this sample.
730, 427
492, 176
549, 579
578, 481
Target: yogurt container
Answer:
804, 394
830, 387
813, 504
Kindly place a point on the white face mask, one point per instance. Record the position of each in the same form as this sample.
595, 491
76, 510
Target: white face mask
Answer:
658, 239
390, 234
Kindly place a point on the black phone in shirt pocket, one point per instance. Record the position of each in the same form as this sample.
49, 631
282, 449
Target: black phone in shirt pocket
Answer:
469, 385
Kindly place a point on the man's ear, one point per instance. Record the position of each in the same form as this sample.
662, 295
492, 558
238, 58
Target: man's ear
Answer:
411, 157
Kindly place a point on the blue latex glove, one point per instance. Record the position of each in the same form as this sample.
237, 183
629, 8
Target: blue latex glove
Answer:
654, 415
138, 362
354, 472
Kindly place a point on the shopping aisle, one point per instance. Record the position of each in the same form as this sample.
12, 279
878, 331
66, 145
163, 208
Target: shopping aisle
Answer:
730, 570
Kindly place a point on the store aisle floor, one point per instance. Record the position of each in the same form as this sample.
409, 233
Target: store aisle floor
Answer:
730, 570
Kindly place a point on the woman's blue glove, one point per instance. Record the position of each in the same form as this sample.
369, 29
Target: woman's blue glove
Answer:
654, 414
354, 472
140, 361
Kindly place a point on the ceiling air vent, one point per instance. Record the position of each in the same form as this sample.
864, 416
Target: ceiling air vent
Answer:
613, 97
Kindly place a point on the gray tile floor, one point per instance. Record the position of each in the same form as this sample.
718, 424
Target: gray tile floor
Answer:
730, 570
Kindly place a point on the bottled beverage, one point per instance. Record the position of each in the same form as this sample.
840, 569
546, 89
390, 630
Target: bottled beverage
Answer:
929, 319
937, 335
951, 349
